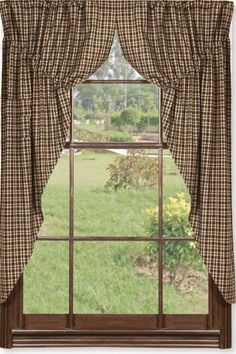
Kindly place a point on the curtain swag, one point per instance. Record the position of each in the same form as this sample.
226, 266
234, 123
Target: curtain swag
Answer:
182, 46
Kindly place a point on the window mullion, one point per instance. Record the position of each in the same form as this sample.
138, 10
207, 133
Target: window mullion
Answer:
160, 222
71, 222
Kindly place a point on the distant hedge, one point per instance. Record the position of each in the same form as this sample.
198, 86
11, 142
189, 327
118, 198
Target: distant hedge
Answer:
118, 137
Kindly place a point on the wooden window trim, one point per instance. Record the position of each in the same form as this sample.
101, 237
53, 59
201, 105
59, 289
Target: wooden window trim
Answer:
187, 331
17, 329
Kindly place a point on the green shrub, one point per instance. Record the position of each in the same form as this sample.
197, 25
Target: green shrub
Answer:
154, 118
134, 171
118, 137
125, 118
175, 215
129, 116
148, 118
180, 254
143, 122
116, 121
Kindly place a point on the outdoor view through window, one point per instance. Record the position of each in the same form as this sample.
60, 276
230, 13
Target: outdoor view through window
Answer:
121, 203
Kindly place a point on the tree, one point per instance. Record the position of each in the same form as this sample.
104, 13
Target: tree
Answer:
129, 117
116, 121
148, 102
125, 118
136, 170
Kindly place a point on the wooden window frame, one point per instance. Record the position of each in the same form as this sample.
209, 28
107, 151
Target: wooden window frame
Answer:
212, 330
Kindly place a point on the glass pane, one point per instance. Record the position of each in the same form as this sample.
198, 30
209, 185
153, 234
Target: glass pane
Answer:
114, 278
46, 278
114, 190
116, 113
176, 201
116, 67
55, 201
185, 279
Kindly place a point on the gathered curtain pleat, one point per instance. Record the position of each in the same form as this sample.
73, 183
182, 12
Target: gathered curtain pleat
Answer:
50, 46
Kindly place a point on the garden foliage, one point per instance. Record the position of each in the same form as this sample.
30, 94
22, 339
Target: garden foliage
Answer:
136, 170
116, 136
179, 255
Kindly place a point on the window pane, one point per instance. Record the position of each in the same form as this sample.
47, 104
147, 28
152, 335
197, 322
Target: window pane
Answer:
113, 278
116, 67
185, 279
55, 201
114, 191
176, 201
46, 278
116, 113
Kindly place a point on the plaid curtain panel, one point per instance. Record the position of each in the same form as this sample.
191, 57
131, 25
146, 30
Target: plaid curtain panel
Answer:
52, 45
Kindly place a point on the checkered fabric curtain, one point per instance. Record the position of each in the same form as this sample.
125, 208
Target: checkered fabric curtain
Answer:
52, 45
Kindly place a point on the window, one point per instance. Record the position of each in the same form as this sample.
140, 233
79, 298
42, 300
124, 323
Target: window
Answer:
115, 262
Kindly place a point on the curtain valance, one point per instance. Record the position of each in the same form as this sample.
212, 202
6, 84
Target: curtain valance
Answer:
182, 46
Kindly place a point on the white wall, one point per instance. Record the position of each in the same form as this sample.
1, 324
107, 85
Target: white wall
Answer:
166, 351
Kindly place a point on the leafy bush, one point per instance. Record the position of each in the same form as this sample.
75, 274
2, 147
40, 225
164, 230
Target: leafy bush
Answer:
125, 118
148, 118
136, 170
133, 117
118, 136
143, 122
116, 121
180, 254
154, 118
129, 116
175, 215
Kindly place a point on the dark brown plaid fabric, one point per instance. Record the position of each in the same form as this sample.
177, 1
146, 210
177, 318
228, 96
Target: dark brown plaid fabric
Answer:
52, 45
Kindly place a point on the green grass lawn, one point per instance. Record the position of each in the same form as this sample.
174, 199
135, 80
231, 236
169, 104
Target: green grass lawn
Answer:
110, 277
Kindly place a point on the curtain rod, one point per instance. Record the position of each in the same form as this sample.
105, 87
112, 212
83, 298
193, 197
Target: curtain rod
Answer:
124, 0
